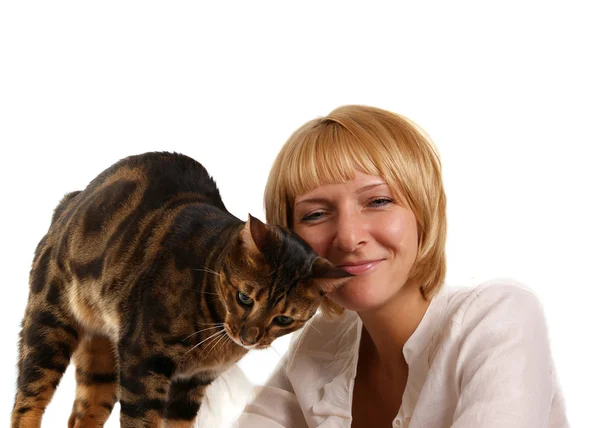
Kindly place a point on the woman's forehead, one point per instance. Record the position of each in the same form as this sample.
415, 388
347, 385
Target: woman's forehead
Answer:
357, 183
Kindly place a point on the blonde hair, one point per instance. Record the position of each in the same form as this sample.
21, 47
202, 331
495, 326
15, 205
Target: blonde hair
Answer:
377, 142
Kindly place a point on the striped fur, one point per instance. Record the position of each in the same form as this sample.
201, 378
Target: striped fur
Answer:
137, 283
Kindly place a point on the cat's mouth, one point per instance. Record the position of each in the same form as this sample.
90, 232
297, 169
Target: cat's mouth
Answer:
248, 347
237, 340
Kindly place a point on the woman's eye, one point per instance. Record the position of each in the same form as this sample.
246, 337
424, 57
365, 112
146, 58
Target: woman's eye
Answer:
313, 216
244, 299
380, 202
283, 320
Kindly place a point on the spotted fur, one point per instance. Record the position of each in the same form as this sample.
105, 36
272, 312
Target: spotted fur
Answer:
138, 282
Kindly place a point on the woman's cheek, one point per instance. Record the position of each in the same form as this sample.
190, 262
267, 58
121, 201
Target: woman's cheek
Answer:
315, 239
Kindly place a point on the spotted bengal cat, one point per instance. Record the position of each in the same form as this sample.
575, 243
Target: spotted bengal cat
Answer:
153, 288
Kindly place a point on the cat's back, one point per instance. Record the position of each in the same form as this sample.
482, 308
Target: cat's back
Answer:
161, 176
137, 184
120, 215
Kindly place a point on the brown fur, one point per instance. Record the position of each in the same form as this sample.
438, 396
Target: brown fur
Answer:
137, 283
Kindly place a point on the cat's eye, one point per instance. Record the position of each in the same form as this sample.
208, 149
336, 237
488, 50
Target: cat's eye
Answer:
244, 299
283, 320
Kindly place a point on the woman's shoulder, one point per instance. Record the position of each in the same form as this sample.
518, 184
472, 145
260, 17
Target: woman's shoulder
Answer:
506, 300
488, 294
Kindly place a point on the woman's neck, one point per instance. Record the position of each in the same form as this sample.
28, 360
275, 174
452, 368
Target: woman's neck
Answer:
390, 326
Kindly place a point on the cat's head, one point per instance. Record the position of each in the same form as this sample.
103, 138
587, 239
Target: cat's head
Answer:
271, 283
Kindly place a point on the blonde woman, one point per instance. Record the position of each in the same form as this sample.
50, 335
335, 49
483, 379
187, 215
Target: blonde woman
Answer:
393, 347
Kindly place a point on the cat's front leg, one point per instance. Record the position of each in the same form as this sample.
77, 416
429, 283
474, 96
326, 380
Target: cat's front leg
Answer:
185, 398
144, 387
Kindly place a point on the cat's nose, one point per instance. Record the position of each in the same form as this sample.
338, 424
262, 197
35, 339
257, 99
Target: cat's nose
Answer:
249, 336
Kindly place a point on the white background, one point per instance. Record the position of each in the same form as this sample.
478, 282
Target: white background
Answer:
509, 92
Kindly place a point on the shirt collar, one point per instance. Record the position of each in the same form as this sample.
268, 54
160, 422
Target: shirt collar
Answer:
427, 328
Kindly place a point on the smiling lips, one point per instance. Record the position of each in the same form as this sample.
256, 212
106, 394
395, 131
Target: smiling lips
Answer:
359, 267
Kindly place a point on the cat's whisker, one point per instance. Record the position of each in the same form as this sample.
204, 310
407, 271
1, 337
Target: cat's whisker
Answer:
210, 340
200, 343
199, 331
212, 323
220, 338
213, 341
205, 269
207, 292
224, 343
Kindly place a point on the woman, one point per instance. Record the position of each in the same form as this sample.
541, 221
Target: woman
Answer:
393, 347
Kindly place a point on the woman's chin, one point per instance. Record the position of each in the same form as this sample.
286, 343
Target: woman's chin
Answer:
357, 297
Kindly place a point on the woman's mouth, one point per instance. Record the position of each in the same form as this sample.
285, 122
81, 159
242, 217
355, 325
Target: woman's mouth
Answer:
357, 268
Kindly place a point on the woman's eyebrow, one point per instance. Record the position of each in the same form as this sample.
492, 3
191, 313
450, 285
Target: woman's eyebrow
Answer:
370, 186
311, 201
324, 200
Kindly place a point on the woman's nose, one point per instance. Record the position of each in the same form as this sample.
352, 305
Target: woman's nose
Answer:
350, 232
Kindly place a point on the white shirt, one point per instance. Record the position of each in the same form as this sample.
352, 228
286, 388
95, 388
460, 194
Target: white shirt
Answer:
479, 358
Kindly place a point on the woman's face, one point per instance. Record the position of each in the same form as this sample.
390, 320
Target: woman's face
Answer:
359, 226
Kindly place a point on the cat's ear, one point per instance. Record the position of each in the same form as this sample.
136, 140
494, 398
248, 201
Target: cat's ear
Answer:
328, 277
254, 234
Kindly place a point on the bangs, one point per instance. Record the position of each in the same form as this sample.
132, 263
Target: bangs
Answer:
327, 153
